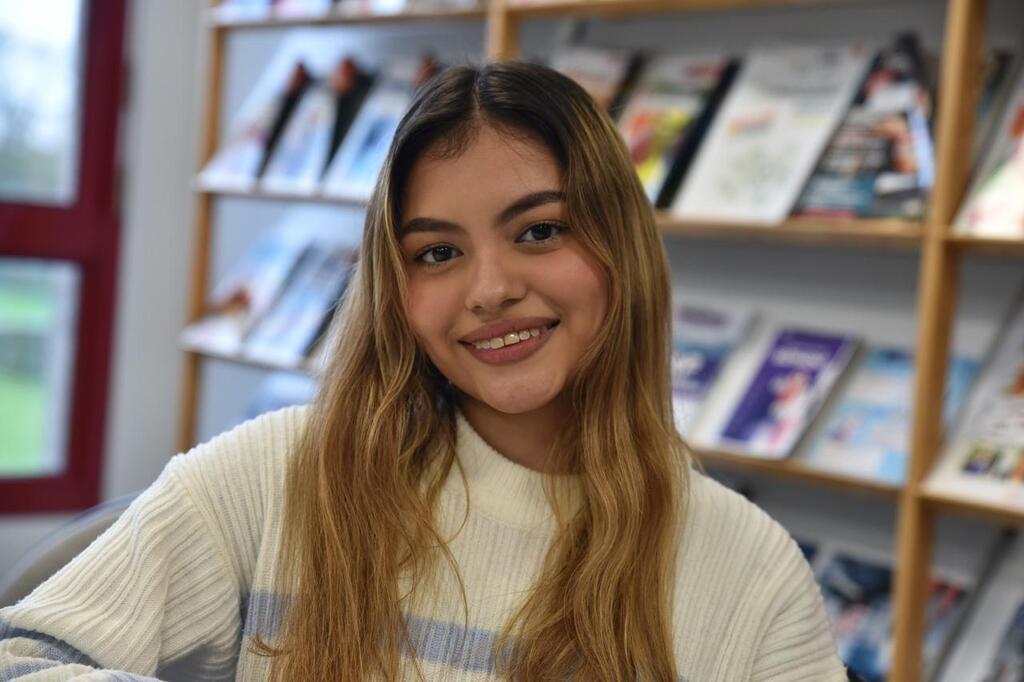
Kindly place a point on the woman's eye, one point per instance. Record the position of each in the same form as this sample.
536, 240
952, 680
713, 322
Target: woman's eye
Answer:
436, 255
541, 232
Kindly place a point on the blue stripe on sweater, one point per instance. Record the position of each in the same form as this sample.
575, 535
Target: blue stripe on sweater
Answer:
48, 647
442, 642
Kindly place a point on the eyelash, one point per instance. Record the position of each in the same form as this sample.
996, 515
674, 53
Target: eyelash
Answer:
559, 230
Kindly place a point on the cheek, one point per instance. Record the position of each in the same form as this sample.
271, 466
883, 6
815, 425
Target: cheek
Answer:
429, 311
580, 287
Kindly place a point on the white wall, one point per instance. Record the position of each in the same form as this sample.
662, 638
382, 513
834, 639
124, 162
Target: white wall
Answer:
159, 141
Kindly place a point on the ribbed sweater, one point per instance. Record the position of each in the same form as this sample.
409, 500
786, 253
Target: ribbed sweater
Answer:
180, 584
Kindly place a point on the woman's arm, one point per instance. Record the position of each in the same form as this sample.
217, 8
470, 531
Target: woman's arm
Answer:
153, 596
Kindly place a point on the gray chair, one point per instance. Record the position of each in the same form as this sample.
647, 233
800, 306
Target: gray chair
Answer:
58, 548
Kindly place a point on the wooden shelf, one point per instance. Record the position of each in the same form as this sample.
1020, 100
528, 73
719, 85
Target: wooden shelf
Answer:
972, 507
901, 234
795, 469
1002, 246
278, 196
215, 20
240, 360
542, 8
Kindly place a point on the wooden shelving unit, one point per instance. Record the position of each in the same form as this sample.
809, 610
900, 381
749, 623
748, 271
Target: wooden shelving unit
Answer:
940, 254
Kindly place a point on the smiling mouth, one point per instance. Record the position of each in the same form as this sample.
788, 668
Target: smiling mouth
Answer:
510, 339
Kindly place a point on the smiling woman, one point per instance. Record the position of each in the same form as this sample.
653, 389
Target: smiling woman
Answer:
489, 484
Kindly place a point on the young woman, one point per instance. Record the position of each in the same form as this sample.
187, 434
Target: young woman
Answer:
489, 484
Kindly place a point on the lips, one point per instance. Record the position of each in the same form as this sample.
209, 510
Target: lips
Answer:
490, 331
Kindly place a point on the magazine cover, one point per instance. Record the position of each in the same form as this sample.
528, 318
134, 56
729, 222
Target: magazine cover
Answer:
279, 390
771, 130
858, 599
314, 131
792, 382
354, 170
1008, 665
703, 339
246, 293
672, 93
239, 10
984, 459
880, 163
284, 336
868, 433
994, 204
602, 73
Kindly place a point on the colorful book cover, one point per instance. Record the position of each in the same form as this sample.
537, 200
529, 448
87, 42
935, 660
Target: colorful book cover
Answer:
795, 377
984, 458
770, 132
703, 340
246, 150
868, 433
353, 173
880, 163
670, 96
285, 335
995, 202
602, 73
315, 130
247, 292
1008, 664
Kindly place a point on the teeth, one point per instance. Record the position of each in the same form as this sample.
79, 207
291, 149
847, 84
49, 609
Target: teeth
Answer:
508, 339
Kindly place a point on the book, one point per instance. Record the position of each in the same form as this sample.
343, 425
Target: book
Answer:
314, 132
246, 293
703, 338
353, 172
797, 371
253, 134
771, 130
998, 72
995, 205
868, 433
880, 163
984, 457
239, 10
279, 390
1008, 663
660, 120
285, 335
603, 73
294, 9
857, 592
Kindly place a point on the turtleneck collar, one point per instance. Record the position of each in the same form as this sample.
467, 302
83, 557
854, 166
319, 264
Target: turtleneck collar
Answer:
501, 488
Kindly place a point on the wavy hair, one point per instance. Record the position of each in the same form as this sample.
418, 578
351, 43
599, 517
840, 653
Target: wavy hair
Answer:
364, 481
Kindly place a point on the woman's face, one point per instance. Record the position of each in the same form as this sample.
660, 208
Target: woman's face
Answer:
491, 261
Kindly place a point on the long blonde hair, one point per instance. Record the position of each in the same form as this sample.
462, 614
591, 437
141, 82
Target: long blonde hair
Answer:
365, 478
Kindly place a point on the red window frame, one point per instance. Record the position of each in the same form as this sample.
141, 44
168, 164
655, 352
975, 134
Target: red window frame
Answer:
85, 233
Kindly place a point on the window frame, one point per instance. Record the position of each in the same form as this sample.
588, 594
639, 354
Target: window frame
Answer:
85, 233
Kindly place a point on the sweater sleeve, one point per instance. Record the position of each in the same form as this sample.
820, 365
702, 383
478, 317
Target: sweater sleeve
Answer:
798, 643
152, 596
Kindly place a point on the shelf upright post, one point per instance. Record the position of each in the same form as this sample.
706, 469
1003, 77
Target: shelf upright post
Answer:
938, 281
201, 236
502, 31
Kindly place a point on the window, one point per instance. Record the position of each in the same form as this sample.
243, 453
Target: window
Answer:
60, 63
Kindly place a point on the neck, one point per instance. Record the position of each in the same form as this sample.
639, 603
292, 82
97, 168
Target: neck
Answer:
523, 438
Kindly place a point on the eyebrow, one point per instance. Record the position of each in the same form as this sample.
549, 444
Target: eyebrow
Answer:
517, 207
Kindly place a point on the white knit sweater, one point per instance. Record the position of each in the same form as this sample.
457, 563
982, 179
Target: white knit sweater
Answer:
177, 587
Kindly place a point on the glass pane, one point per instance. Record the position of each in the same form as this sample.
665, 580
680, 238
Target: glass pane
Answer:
38, 314
39, 99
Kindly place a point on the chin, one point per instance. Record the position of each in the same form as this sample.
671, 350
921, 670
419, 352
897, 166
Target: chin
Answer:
516, 402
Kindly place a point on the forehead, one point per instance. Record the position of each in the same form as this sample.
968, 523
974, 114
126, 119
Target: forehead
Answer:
492, 170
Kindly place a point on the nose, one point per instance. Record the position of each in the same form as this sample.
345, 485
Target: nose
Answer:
495, 284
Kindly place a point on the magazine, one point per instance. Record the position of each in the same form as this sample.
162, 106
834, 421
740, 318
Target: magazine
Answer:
995, 204
771, 130
240, 10
1008, 665
251, 139
604, 74
868, 433
703, 340
858, 599
984, 458
300, 8
247, 292
672, 94
314, 132
796, 374
354, 170
279, 390
285, 335
880, 163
